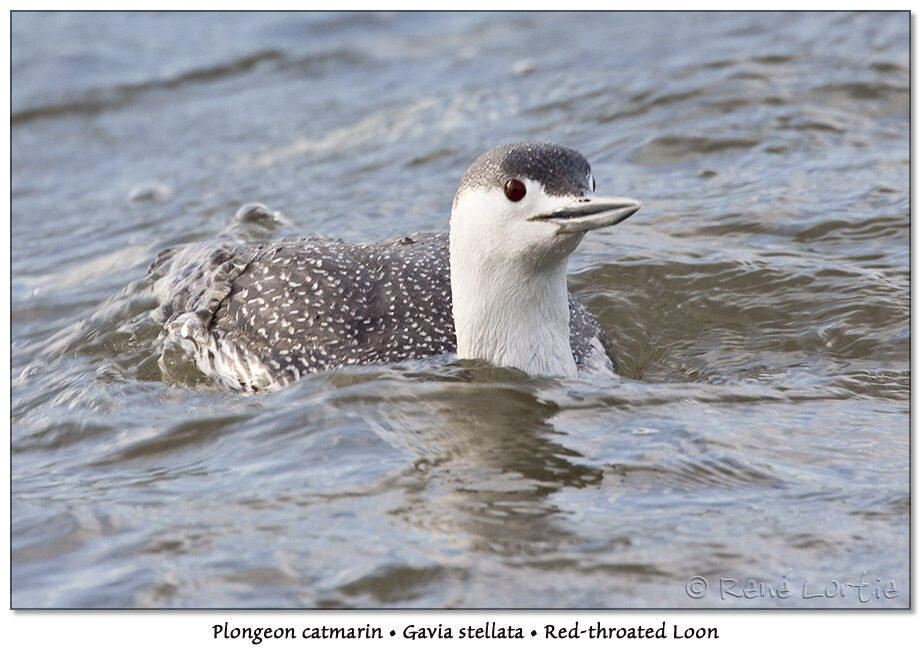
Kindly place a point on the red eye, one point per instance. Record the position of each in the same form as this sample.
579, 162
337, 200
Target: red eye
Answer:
515, 190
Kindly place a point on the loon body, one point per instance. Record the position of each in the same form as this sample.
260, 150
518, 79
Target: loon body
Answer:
495, 288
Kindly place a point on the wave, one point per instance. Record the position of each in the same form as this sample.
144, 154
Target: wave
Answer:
97, 100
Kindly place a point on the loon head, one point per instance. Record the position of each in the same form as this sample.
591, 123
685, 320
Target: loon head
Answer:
530, 204
519, 212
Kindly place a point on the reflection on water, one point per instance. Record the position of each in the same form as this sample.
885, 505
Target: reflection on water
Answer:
759, 304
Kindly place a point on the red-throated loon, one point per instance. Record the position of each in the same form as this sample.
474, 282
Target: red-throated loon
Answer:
494, 289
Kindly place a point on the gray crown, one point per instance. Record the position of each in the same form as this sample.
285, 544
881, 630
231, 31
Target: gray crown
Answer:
562, 171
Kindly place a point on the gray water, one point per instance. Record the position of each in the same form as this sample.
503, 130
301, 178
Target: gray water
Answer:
759, 303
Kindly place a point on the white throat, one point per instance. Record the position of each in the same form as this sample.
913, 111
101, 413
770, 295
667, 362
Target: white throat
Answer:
509, 288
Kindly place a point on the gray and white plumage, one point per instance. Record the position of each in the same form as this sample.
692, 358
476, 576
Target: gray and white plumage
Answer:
260, 317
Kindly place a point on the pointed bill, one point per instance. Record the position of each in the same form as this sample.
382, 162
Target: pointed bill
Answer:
590, 213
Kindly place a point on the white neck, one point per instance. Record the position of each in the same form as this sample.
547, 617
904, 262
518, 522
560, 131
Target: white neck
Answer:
511, 316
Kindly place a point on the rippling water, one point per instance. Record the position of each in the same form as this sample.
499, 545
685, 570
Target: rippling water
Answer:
759, 302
